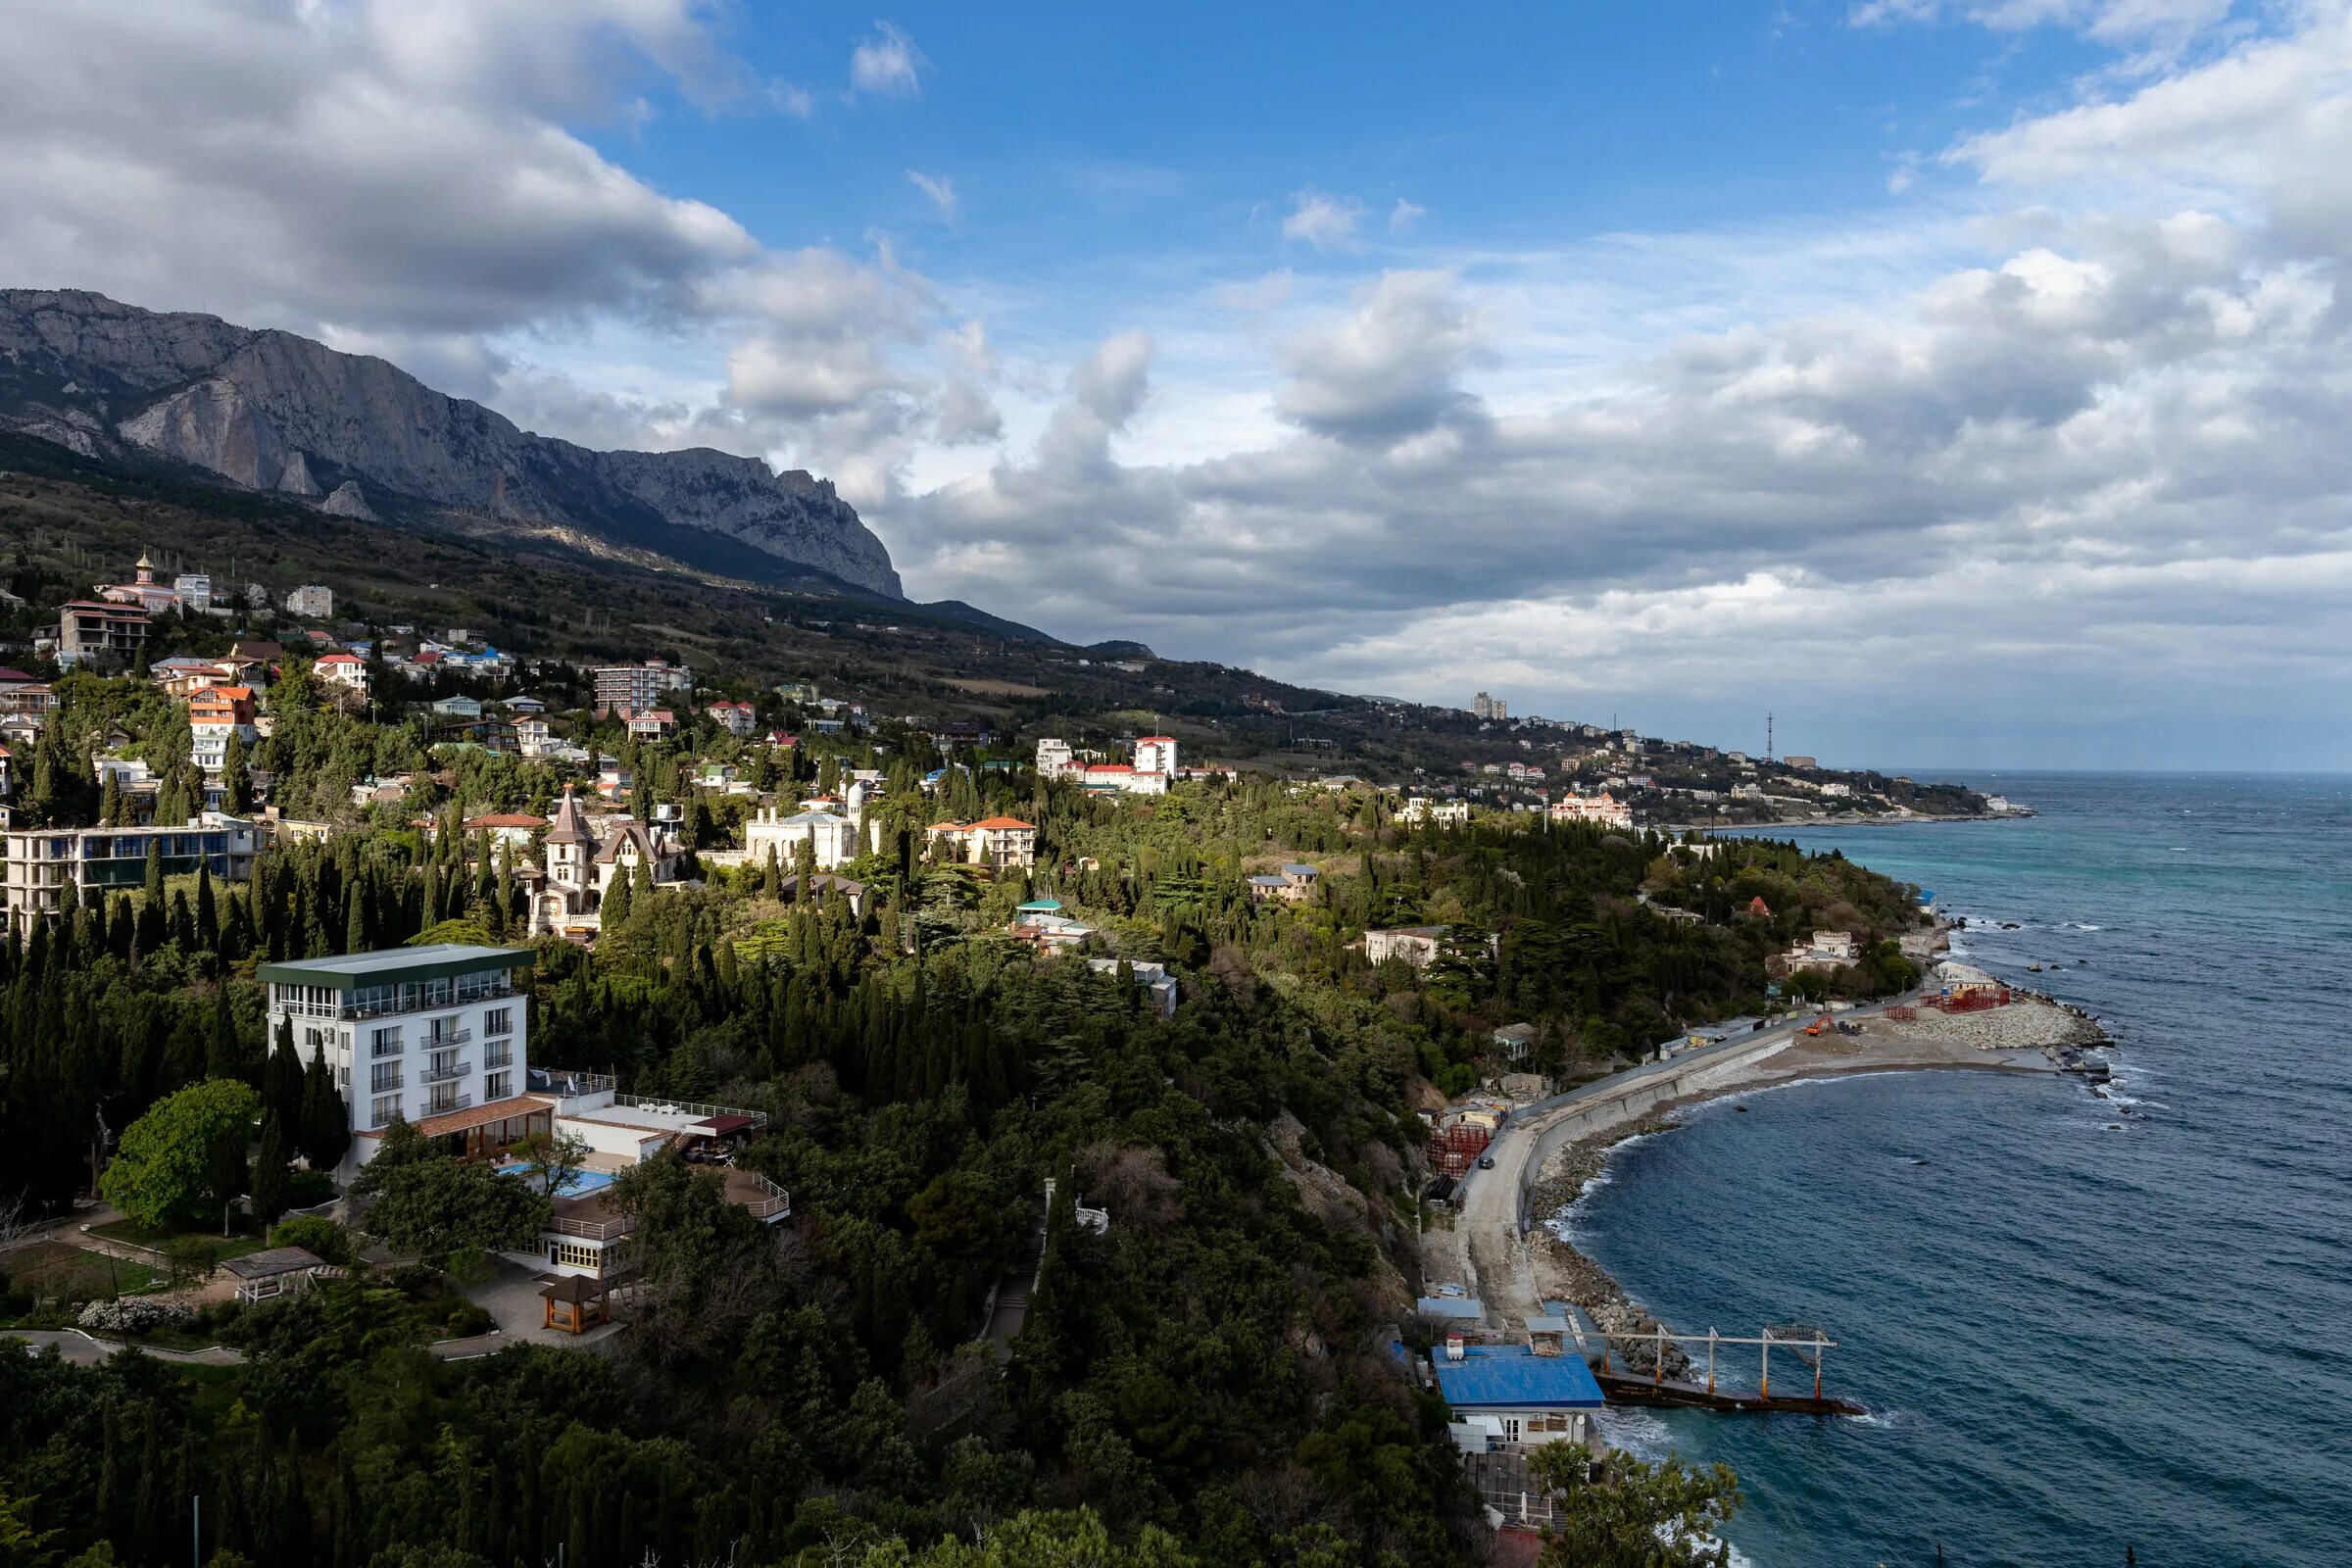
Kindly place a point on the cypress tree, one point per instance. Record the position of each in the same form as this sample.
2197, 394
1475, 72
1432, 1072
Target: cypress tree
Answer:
326, 1120
355, 921
284, 1082
154, 888
208, 920
272, 1193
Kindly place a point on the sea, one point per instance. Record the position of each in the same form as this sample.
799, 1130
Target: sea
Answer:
2087, 1330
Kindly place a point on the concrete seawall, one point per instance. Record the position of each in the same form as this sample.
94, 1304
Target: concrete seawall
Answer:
1629, 1099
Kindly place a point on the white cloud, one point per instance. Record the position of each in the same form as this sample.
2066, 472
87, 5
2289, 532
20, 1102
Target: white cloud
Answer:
1403, 216
1387, 369
888, 64
938, 190
1327, 223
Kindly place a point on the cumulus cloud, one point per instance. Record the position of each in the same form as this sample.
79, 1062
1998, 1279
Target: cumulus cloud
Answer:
1327, 223
888, 64
1389, 368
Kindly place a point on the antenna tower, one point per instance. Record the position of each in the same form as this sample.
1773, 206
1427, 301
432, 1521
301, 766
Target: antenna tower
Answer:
1768, 737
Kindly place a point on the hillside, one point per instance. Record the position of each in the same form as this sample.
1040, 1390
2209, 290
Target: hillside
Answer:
359, 438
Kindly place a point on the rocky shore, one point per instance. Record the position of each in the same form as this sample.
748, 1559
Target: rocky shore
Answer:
1566, 1274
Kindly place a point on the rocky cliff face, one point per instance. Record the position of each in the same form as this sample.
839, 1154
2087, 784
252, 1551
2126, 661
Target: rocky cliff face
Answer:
274, 411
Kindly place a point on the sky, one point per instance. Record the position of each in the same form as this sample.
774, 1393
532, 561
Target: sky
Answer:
1964, 382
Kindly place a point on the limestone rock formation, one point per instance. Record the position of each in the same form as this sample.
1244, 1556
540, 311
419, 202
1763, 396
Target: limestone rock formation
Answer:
274, 411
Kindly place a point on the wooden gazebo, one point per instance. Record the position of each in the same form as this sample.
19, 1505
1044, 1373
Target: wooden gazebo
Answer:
575, 1303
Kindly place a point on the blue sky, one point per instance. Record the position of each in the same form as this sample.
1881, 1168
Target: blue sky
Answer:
1962, 380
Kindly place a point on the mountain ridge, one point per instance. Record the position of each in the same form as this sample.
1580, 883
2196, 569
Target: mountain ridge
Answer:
356, 435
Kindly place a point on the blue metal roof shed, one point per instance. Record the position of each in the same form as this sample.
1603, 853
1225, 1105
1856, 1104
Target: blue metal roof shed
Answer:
1493, 1377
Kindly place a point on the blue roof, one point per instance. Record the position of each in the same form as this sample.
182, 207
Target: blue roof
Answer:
1502, 1377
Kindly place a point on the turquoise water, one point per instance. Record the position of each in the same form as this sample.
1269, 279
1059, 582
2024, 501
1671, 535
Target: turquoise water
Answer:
2081, 1326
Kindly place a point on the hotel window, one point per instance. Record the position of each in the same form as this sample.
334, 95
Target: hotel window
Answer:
498, 1054
498, 1086
385, 1042
499, 1021
384, 1077
383, 1110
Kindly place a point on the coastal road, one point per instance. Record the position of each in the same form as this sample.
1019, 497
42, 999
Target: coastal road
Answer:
1497, 1266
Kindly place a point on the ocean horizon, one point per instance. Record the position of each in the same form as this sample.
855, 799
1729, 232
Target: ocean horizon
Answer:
2081, 1325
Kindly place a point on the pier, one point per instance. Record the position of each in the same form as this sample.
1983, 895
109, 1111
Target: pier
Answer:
1625, 1385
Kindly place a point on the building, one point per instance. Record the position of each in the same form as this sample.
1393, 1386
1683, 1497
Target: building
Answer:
92, 632
1054, 759
346, 671
736, 718
216, 715
1513, 1041
195, 591
652, 723
1157, 754
50, 869
1513, 1396
625, 688
588, 1242
1603, 808
999, 843
580, 861
142, 592
1798, 761
310, 602
436, 1036
1041, 924
505, 829
1290, 884
831, 837
1415, 944
1159, 986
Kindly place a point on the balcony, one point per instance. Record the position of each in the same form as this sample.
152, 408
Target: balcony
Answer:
502, 1055
444, 1072
447, 1038
443, 1104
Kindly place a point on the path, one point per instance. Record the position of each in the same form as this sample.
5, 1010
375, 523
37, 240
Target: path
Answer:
85, 1350
1489, 1224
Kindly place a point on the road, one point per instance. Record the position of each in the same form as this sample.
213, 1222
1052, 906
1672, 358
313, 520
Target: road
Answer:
1495, 1263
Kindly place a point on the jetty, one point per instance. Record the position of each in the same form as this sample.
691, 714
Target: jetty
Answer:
1623, 1384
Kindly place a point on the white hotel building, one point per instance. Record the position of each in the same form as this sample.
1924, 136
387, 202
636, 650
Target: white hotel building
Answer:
435, 1036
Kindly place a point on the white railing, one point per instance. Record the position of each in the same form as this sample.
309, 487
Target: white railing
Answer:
777, 1202
594, 1230
697, 1109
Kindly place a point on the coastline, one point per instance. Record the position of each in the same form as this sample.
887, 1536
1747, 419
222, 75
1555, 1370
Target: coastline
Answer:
1995, 1041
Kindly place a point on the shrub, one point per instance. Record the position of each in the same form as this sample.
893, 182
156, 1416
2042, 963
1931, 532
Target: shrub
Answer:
313, 1233
136, 1314
307, 1189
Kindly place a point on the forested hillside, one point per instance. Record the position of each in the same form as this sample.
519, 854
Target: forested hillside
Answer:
1208, 1379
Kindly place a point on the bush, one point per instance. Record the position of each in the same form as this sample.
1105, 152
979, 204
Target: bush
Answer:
307, 1189
313, 1233
136, 1314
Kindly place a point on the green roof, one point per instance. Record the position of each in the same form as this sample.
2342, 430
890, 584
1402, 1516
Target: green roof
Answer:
439, 960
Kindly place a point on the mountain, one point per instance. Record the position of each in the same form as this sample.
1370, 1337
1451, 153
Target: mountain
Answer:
358, 437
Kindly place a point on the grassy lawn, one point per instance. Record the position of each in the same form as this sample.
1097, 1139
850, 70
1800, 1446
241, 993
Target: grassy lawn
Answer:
235, 1244
61, 1270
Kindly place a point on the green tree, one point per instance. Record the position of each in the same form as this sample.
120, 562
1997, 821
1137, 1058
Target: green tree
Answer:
1635, 1513
237, 783
422, 1201
272, 1188
186, 1156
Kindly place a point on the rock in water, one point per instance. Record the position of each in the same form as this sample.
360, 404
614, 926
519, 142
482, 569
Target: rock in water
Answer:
270, 411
